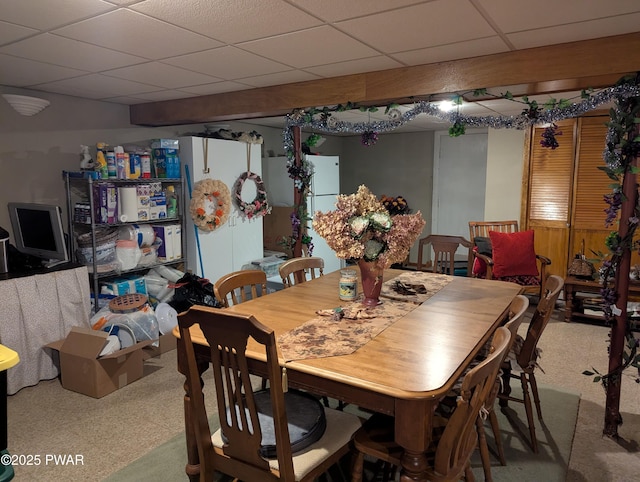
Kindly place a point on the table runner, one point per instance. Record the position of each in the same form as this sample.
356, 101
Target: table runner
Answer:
433, 283
323, 336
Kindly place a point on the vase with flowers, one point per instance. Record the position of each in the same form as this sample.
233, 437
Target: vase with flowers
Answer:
361, 229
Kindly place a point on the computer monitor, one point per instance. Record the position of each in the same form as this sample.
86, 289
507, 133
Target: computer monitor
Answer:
37, 231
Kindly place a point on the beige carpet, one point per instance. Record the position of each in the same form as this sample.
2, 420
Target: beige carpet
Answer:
555, 437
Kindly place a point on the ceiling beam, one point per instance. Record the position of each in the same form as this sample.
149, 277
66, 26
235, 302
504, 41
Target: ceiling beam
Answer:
570, 66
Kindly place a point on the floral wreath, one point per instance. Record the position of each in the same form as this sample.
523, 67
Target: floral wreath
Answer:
210, 204
259, 206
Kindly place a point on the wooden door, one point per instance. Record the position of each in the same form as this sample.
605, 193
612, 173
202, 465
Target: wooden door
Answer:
590, 186
548, 180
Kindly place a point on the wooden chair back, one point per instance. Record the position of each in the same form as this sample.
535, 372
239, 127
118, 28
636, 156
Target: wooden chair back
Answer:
528, 353
444, 248
459, 438
516, 314
233, 287
227, 334
295, 270
517, 309
482, 228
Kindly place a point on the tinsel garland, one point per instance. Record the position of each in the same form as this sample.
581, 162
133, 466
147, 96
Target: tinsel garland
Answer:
330, 125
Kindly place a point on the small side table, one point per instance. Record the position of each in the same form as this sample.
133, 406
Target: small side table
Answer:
573, 302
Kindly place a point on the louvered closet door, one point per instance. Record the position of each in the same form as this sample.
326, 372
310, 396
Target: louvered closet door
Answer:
590, 186
549, 194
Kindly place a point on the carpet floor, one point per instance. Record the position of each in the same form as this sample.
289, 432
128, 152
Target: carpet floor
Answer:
555, 437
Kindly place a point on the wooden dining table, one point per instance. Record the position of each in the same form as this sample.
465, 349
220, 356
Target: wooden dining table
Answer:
403, 371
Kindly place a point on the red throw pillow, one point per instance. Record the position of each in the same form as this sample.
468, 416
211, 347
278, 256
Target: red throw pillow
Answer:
513, 254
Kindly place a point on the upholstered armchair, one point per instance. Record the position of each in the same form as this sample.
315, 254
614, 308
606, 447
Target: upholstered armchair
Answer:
504, 253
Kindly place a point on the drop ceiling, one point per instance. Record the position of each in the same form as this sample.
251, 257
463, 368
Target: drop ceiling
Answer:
133, 52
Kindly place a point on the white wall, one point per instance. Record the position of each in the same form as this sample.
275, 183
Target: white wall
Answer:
505, 159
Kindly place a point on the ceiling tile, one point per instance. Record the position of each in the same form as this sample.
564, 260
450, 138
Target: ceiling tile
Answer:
47, 14
604, 27
358, 66
96, 86
23, 72
335, 10
228, 63
315, 46
230, 21
454, 51
420, 26
162, 75
137, 34
10, 32
288, 77
67, 52
517, 15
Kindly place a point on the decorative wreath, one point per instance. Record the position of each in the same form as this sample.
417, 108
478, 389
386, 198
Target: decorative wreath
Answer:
210, 204
259, 206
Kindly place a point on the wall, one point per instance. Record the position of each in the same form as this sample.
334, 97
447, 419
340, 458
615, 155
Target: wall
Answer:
505, 155
397, 165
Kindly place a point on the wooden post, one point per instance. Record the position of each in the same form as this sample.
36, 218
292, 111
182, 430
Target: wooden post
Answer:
612, 418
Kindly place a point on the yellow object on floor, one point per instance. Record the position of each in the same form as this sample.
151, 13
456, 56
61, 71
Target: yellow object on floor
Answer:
8, 358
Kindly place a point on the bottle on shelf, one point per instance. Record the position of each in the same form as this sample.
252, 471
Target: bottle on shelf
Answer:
112, 171
121, 163
101, 160
172, 202
145, 165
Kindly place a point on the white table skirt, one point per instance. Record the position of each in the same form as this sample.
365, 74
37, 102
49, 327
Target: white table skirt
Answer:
37, 310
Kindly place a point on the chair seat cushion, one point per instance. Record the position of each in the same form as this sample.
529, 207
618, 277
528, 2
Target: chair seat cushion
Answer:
305, 416
522, 280
513, 254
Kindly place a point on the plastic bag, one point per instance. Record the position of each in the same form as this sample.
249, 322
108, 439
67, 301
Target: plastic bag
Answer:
192, 290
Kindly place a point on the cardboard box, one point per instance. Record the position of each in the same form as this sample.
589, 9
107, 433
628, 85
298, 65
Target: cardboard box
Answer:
126, 285
82, 371
158, 207
177, 241
165, 234
166, 343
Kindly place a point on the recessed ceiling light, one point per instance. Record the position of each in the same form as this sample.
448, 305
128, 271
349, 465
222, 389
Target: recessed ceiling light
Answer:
446, 105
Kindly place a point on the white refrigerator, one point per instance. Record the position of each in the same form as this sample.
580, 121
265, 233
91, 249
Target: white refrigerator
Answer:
325, 186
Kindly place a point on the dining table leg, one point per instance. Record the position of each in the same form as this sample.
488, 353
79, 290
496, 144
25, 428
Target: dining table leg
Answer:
414, 422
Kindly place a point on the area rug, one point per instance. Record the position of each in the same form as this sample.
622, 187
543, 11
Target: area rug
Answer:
555, 437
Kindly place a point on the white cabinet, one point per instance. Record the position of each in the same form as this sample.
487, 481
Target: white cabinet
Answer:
212, 254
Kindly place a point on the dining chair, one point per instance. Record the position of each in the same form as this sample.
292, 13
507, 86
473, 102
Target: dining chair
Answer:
517, 310
295, 270
233, 287
444, 248
522, 359
515, 252
453, 439
268, 435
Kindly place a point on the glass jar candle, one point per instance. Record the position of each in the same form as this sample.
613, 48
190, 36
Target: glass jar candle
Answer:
348, 285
